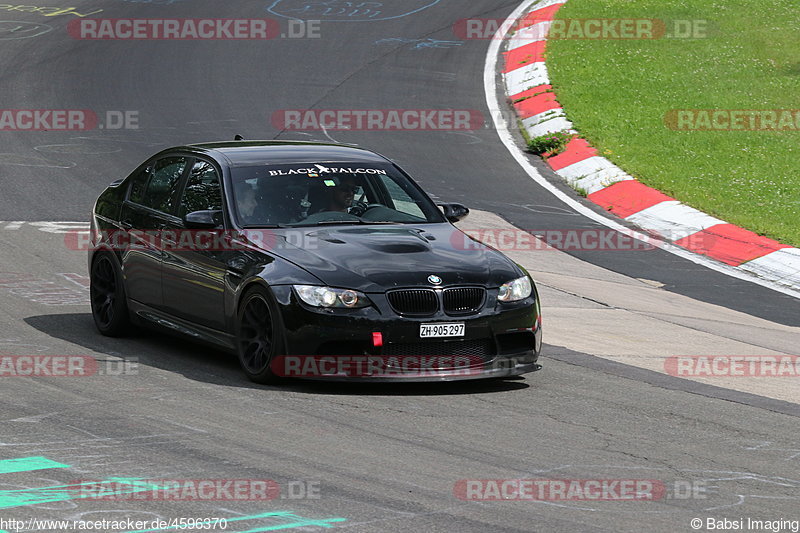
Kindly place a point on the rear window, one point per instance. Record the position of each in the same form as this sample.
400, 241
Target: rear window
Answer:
156, 186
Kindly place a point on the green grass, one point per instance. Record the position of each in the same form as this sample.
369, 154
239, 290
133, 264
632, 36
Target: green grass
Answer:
617, 94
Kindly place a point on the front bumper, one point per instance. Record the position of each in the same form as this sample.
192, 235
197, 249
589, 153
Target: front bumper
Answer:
501, 340
441, 376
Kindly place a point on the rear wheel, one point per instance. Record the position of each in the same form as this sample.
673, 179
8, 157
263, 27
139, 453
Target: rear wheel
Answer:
258, 336
107, 295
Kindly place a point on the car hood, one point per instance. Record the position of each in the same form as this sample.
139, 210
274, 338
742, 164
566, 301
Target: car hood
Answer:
378, 258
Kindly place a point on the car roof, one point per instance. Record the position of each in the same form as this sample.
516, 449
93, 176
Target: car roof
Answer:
250, 153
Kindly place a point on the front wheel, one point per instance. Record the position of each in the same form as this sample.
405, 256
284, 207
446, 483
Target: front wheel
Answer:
107, 295
258, 336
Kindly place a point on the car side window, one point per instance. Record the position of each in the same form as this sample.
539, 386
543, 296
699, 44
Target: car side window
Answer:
402, 200
161, 191
140, 184
203, 190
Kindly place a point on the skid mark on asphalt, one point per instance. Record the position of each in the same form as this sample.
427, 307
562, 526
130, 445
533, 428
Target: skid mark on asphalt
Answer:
46, 226
14, 225
30, 161
62, 493
473, 139
13, 30
420, 44
767, 446
36, 419
81, 149
76, 491
117, 486
45, 292
17, 344
103, 452
345, 11
685, 487
78, 279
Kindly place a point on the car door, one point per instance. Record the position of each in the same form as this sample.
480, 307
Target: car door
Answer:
194, 267
151, 203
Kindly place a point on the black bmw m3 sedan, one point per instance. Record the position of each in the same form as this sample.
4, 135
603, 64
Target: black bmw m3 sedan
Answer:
310, 260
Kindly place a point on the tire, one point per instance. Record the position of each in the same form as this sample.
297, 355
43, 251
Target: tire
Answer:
107, 295
259, 336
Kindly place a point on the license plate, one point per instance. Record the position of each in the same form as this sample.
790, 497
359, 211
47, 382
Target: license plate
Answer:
427, 331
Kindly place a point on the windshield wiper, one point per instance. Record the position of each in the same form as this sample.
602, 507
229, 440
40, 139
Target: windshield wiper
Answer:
264, 226
345, 222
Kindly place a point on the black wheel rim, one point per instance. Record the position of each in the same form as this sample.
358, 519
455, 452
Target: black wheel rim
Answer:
103, 291
255, 335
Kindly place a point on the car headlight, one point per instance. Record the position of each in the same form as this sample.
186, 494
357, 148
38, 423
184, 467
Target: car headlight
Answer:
328, 297
515, 290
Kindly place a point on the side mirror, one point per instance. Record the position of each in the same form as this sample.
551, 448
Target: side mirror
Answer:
454, 212
203, 219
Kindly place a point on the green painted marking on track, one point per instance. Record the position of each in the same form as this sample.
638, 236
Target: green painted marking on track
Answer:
294, 521
27, 464
61, 493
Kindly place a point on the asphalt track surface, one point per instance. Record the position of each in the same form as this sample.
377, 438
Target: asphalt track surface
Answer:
384, 458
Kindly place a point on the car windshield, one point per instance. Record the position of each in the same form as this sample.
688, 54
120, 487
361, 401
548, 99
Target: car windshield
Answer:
310, 194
